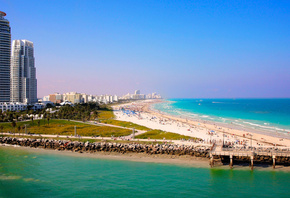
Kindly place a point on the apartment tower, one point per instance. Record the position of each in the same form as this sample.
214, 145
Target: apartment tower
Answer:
5, 53
23, 72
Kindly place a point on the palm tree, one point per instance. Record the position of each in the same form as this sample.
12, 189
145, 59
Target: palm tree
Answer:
13, 125
48, 118
18, 129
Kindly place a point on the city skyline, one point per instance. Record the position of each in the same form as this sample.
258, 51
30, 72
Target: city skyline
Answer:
179, 49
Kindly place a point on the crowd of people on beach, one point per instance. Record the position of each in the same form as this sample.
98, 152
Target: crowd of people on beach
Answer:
137, 112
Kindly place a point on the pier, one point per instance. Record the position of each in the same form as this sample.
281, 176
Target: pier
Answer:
249, 154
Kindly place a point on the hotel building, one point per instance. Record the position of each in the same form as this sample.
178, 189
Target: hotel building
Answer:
23, 73
5, 52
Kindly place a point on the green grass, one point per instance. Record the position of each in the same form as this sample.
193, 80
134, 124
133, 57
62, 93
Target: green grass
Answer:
63, 127
126, 124
158, 134
104, 115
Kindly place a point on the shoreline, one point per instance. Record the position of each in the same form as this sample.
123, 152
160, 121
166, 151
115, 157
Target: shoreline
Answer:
183, 161
222, 124
200, 129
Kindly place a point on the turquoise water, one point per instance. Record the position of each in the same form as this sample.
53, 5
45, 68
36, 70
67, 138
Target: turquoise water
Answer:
35, 174
272, 115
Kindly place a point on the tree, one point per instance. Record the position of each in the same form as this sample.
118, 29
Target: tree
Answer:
48, 105
13, 125
10, 116
48, 118
38, 123
18, 129
95, 114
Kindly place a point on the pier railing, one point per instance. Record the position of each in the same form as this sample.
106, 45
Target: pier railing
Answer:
259, 151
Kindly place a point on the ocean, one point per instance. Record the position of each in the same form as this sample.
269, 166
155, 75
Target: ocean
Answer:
266, 115
26, 173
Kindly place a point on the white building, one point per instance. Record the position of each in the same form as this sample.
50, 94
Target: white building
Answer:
23, 73
4, 106
45, 98
16, 106
115, 98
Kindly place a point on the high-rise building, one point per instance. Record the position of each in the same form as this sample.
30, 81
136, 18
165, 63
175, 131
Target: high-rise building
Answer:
23, 72
5, 52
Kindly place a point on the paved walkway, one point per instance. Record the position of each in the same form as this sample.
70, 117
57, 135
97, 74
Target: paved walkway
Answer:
179, 142
220, 151
137, 132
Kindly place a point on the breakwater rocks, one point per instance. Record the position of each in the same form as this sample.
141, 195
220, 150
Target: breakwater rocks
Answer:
75, 146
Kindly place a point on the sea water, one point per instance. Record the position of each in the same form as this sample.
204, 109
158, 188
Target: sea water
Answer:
24, 173
269, 115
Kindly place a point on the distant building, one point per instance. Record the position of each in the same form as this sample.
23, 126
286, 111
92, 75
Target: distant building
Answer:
5, 53
23, 73
6, 106
73, 97
115, 98
55, 98
66, 103
12, 106
84, 98
45, 98
138, 96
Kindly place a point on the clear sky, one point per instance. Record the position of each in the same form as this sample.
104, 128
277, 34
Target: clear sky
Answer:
193, 49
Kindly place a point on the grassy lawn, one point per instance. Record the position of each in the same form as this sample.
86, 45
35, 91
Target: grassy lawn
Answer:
158, 134
105, 115
63, 127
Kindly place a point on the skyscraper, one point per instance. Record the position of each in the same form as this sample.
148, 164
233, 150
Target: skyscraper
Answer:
5, 52
23, 72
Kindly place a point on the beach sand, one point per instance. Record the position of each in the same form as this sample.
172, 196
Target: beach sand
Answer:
200, 129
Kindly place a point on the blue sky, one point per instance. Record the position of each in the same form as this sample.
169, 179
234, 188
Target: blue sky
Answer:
194, 49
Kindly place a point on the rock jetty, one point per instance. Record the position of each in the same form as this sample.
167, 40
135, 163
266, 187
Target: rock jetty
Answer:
76, 146
149, 149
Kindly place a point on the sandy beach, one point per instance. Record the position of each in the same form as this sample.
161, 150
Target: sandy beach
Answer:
208, 132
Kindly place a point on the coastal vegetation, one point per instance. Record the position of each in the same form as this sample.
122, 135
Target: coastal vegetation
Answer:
63, 120
91, 111
159, 134
82, 112
64, 127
